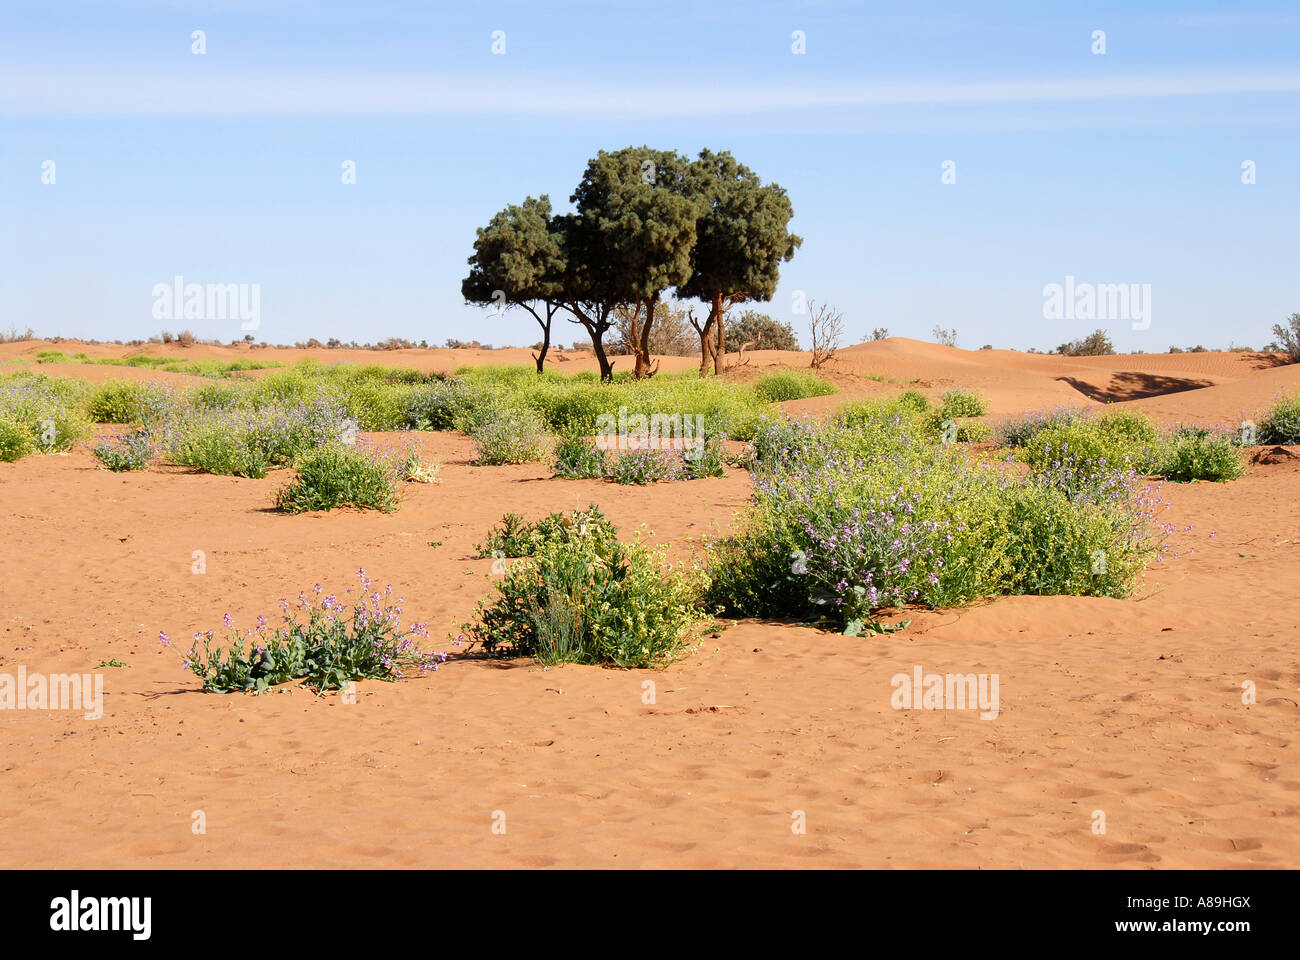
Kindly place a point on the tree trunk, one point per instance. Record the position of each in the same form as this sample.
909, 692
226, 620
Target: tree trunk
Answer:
540, 357
720, 354
598, 345
642, 345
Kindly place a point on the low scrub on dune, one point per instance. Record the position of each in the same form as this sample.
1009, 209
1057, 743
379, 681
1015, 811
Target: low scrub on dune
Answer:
1281, 424
872, 513
248, 442
40, 415
337, 476
516, 537
1086, 444
962, 403
577, 457
594, 600
320, 641
128, 451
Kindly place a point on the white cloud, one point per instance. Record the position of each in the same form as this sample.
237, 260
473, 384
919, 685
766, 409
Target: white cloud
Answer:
79, 91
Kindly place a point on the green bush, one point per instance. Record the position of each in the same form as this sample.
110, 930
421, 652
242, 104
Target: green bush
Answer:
508, 435
516, 537
1201, 454
575, 457
335, 476
915, 399
319, 642
962, 403
593, 601
43, 415
836, 537
217, 451
1282, 422
446, 405
123, 401
791, 385
16, 441
130, 451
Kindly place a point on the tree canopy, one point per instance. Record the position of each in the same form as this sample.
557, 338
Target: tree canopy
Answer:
645, 222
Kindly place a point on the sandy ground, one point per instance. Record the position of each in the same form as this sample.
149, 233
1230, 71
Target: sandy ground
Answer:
1132, 708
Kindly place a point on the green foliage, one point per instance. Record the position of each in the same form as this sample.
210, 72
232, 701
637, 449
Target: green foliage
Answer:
123, 401
916, 400
516, 537
1288, 337
1095, 344
791, 385
962, 403
16, 440
508, 435
974, 431
335, 476
1084, 446
1201, 454
319, 642
576, 457
129, 451
751, 326
447, 405
41, 415
644, 466
1282, 422
224, 454
846, 522
591, 600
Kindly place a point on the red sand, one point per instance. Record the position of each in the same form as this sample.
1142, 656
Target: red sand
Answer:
1130, 707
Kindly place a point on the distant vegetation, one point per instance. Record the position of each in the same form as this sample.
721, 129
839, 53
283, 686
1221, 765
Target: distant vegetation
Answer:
1095, 344
1288, 337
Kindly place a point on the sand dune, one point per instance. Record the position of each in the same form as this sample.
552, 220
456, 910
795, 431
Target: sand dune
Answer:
1132, 708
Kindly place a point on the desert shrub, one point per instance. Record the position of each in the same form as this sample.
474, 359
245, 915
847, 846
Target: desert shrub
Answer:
1019, 431
128, 451
223, 454
16, 441
1095, 344
412, 468
752, 326
915, 399
1085, 447
446, 405
791, 385
835, 538
594, 601
336, 476
243, 442
215, 395
508, 435
516, 537
123, 401
377, 405
1201, 454
576, 457
43, 415
706, 459
1281, 424
319, 641
1288, 337
962, 403
645, 466
974, 431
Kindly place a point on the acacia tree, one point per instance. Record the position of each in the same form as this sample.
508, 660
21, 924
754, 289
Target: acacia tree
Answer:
518, 260
742, 238
637, 218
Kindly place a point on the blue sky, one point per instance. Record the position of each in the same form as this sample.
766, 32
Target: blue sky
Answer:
225, 167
